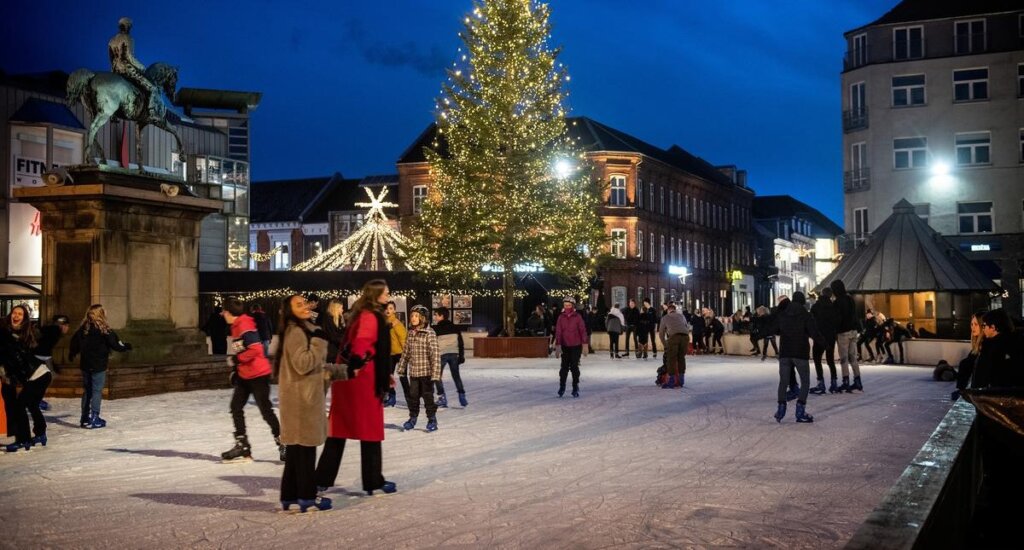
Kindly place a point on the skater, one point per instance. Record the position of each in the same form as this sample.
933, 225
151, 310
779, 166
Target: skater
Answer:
94, 341
715, 330
398, 337
645, 329
881, 337
762, 326
333, 324
654, 318
826, 318
356, 411
301, 369
846, 336
867, 336
263, 326
47, 338
570, 335
614, 324
796, 328
896, 333
632, 315
250, 376
675, 338
453, 354
217, 331
422, 362
698, 331
17, 337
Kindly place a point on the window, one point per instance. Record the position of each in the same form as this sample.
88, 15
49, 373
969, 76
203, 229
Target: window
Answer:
618, 191
419, 194
650, 257
618, 243
686, 248
973, 148
1020, 80
662, 247
970, 36
908, 42
975, 217
661, 200
860, 50
970, 84
639, 193
650, 204
860, 223
672, 250
908, 90
910, 152
639, 244
281, 256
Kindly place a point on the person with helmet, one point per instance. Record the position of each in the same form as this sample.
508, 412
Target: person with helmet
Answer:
421, 360
570, 335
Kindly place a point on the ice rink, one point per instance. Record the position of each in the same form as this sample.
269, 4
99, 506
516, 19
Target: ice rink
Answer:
627, 465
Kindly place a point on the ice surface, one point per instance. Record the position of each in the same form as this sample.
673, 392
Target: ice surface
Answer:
628, 465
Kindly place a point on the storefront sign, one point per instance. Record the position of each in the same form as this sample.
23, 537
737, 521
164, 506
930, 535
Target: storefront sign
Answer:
25, 251
28, 171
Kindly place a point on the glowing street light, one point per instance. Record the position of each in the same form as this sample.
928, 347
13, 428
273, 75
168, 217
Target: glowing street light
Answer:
940, 169
941, 175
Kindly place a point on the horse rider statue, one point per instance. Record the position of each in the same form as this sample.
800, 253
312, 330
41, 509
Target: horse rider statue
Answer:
122, 62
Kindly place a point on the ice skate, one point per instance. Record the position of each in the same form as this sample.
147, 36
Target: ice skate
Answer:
670, 383
280, 447
391, 400
846, 385
95, 422
780, 413
856, 385
833, 388
462, 399
409, 424
801, 414
318, 504
561, 391
15, 447
681, 381
388, 488
819, 389
38, 440
431, 424
240, 453
442, 402
793, 393
575, 392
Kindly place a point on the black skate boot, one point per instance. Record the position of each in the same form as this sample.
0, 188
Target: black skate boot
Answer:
280, 447
801, 414
241, 452
833, 388
820, 388
856, 385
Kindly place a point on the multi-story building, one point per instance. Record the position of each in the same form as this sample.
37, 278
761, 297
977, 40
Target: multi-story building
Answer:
797, 247
679, 228
933, 112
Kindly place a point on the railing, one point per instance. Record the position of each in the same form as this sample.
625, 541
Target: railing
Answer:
848, 242
857, 180
856, 57
855, 119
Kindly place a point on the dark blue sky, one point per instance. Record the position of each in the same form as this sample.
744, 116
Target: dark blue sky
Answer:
347, 86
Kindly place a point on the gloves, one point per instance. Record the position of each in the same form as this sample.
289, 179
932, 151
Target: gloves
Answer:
462, 359
237, 346
955, 395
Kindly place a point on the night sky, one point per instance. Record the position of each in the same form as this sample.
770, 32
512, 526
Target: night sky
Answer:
347, 86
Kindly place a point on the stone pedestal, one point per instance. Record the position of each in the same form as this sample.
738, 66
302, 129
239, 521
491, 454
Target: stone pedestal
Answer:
125, 240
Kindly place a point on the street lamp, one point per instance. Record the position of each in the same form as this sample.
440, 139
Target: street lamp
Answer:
564, 168
941, 174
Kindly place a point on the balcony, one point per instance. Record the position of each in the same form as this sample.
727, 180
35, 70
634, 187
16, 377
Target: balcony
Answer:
857, 180
855, 119
848, 242
856, 57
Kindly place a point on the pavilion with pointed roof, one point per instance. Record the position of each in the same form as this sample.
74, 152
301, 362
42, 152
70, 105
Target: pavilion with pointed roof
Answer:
910, 272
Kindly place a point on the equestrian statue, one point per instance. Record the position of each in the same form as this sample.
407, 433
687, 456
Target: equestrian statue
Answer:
130, 92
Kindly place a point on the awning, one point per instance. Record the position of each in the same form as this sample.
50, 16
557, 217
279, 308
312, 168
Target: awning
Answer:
13, 288
40, 111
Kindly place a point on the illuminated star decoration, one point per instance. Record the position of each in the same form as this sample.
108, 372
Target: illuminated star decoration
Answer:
374, 245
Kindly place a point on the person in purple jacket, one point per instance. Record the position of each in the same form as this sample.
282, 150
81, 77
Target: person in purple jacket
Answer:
570, 334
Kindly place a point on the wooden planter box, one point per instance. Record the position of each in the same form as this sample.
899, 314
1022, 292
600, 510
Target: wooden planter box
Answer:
528, 346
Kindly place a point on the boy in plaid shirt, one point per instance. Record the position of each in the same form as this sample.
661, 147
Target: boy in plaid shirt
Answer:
422, 361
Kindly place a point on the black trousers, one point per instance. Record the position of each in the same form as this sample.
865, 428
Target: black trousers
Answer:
28, 404
755, 341
865, 339
630, 333
259, 388
330, 463
570, 363
828, 349
420, 387
298, 480
613, 342
654, 340
764, 346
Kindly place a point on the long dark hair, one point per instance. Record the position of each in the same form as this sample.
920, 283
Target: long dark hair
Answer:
286, 318
25, 333
367, 300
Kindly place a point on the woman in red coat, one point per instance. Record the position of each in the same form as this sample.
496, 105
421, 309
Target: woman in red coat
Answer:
357, 410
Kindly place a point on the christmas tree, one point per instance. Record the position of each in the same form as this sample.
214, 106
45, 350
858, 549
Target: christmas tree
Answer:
509, 184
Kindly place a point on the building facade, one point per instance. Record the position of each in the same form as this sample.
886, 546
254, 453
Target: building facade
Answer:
933, 112
679, 228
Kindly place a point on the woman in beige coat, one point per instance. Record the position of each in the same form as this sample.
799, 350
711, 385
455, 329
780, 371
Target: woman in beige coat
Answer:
302, 370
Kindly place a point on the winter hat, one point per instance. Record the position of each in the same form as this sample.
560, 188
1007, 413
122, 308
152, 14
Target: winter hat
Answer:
569, 300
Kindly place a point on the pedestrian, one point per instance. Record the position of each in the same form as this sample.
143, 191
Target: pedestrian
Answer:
965, 370
846, 336
632, 315
422, 363
316, 313
47, 339
301, 369
716, 329
263, 326
755, 336
453, 354
654, 318
94, 340
398, 336
536, 323
796, 328
999, 363
217, 330
762, 327
20, 366
826, 318
590, 320
356, 411
250, 376
570, 335
675, 337
614, 325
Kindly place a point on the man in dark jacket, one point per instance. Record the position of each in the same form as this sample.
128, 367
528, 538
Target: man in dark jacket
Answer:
826, 317
846, 336
217, 330
263, 326
796, 328
632, 315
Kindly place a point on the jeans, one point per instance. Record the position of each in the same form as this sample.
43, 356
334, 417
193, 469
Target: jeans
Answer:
570, 362
764, 347
613, 342
848, 352
631, 337
786, 366
259, 388
452, 360
92, 394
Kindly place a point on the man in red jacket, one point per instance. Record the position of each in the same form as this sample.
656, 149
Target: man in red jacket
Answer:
250, 375
570, 334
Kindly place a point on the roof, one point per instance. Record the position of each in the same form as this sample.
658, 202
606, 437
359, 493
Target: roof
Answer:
217, 99
342, 197
41, 111
375, 181
924, 10
289, 200
785, 206
594, 136
906, 255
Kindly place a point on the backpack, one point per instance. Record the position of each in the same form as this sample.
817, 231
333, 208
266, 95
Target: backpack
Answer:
612, 323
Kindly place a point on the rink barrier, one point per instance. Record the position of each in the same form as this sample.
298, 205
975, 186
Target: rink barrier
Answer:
931, 503
136, 380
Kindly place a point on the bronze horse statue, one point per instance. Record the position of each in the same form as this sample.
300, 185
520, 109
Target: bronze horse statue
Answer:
106, 95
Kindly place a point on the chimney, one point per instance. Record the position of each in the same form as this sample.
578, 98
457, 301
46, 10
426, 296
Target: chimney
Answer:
741, 178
